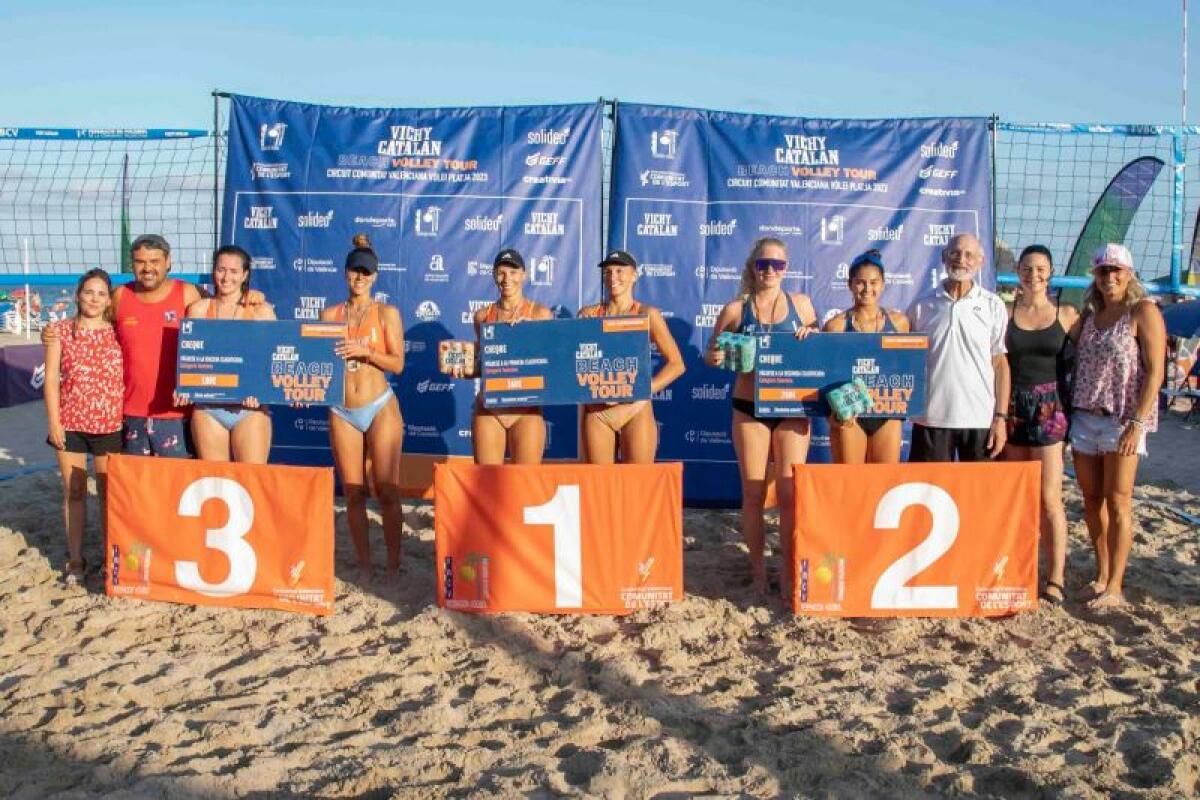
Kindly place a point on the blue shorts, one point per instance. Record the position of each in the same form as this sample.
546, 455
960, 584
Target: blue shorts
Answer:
1096, 435
148, 436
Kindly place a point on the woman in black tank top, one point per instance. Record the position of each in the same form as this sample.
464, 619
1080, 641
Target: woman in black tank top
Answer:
871, 440
1036, 341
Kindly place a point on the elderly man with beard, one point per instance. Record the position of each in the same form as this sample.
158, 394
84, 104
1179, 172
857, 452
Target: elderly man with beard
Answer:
966, 397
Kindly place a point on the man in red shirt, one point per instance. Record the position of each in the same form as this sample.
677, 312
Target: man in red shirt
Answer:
147, 317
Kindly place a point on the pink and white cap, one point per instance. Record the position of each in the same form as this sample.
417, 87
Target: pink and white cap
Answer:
1112, 255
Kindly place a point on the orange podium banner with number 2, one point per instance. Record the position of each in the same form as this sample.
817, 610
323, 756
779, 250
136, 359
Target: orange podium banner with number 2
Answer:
933, 540
558, 538
224, 534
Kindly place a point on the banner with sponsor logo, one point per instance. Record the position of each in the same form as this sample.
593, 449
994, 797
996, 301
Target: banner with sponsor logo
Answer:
275, 361
566, 362
793, 377
558, 538
692, 190
220, 533
439, 192
929, 540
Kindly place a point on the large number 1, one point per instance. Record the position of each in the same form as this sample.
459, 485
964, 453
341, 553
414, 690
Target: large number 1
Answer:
228, 538
562, 511
891, 590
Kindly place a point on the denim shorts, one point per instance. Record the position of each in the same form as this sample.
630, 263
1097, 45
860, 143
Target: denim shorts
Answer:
1095, 435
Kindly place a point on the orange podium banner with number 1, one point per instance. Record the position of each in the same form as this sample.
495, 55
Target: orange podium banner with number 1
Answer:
218, 533
933, 540
558, 538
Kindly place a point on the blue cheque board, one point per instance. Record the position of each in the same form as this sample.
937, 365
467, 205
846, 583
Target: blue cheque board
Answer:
278, 362
565, 362
793, 376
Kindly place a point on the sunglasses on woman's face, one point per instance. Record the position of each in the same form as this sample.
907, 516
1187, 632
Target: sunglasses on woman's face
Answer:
776, 264
1106, 269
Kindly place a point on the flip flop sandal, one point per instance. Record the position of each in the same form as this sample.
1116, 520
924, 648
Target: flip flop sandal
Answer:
74, 572
1046, 597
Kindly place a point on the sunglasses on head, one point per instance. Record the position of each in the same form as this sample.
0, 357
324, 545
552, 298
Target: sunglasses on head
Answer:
776, 264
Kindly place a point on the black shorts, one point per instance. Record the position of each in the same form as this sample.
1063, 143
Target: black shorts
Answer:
97, 444
948, 444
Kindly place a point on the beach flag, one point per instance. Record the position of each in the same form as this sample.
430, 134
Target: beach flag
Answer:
126, 236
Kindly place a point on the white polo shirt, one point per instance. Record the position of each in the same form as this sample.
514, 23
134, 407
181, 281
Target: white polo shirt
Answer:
964, 336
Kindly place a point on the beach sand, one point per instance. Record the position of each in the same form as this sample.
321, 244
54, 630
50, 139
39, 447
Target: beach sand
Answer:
716, 695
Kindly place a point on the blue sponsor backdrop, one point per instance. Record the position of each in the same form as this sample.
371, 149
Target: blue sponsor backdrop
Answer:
693, 189
440, 192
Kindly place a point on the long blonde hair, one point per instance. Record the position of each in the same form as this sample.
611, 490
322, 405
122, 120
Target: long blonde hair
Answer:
747, 286
1093, 299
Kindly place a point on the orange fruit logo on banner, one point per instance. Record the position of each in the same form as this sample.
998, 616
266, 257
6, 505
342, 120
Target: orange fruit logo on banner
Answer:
935, 540
224, 534
558, 538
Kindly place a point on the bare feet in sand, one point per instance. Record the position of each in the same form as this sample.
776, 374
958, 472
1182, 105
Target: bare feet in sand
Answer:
1105, 600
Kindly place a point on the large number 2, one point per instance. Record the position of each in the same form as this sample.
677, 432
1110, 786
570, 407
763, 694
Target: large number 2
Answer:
228, 539
891, 590
562, 511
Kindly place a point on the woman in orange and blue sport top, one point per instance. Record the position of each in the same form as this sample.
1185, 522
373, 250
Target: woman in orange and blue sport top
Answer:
521, 432
875, 440
231, 432
628, 427
368, 427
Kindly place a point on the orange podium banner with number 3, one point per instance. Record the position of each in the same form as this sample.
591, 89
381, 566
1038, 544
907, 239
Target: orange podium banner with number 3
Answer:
558, 538
218, 533
932, 540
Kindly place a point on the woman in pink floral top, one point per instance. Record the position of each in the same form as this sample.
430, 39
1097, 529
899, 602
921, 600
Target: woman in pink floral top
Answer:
1121, 343
83, 396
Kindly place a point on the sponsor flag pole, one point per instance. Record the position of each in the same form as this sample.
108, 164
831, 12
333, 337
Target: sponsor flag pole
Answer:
126, 263
28, 296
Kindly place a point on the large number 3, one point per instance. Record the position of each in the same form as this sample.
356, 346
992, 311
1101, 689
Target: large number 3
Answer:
227, 539
562, 511
891, 590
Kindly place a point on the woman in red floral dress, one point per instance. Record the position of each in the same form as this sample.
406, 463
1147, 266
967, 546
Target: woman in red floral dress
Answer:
83, 396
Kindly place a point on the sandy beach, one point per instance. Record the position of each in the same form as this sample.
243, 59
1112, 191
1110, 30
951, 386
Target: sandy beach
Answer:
715, 696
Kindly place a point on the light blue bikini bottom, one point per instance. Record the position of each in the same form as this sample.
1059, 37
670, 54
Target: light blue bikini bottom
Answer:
362, 416
227, 417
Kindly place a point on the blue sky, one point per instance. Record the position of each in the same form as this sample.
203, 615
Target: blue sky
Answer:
153, 64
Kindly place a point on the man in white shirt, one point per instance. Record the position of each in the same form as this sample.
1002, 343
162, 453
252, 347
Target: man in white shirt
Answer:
967, 386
